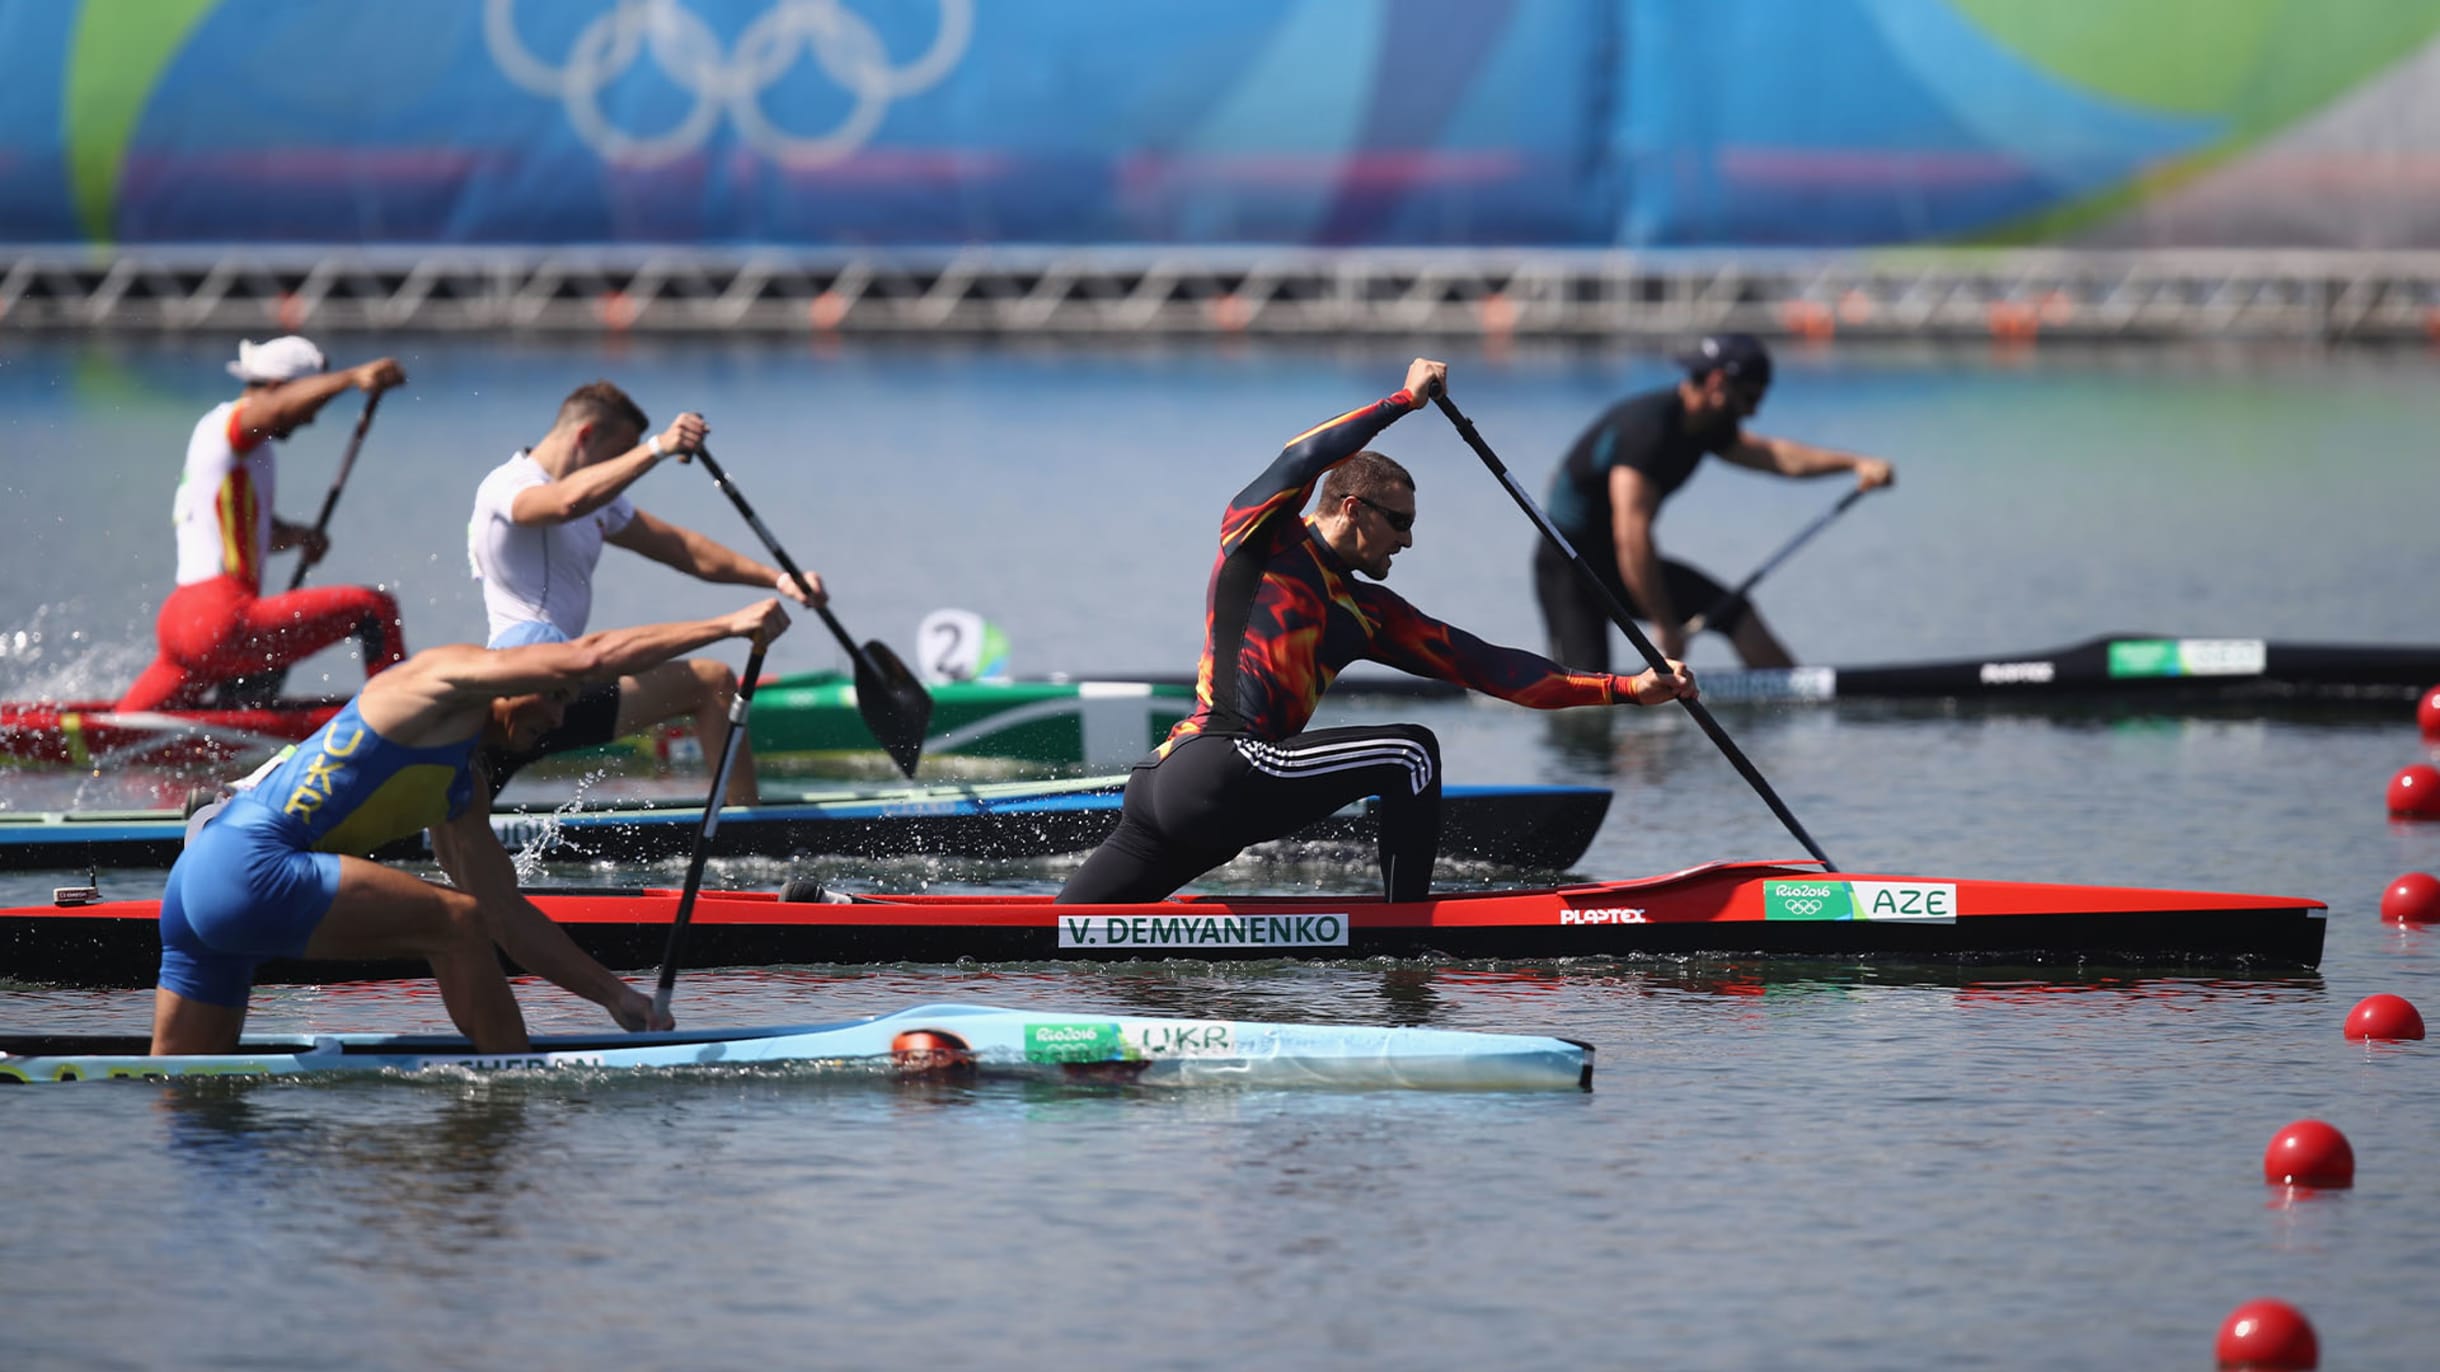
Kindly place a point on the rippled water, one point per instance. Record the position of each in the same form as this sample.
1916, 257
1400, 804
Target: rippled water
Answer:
1805, 1164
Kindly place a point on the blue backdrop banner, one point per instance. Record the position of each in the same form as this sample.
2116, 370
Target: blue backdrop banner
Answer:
1422, 122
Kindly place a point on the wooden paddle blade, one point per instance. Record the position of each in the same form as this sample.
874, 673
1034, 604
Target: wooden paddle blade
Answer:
895, 705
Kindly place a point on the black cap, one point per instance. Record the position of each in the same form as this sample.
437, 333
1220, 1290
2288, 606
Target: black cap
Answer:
1740, 355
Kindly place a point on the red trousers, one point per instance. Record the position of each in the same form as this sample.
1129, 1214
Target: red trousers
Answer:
213, 631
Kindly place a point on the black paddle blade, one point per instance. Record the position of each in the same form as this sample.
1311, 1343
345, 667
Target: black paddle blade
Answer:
894, 704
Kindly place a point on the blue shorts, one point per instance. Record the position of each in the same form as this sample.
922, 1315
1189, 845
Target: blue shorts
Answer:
242, 892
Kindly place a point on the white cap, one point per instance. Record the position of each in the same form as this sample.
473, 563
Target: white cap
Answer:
282, 359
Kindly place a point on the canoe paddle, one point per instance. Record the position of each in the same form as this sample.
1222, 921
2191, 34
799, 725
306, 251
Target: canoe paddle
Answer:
1736, 597
261, 688
895, 705
1619, 615
738, 708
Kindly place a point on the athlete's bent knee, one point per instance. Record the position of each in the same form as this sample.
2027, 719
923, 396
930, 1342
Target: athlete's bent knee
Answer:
463, 924
714, 681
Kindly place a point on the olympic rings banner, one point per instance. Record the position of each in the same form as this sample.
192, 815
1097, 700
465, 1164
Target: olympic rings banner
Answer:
1424, 122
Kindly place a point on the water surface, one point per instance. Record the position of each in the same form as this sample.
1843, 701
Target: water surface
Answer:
1809, 1164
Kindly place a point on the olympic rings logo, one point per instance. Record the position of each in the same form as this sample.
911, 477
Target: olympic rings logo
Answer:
688, 53
1801, 905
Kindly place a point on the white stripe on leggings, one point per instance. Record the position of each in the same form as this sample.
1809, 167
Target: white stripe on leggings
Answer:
1342, 755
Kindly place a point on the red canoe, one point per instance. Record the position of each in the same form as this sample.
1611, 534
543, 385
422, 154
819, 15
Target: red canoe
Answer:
82, 734
1786, 909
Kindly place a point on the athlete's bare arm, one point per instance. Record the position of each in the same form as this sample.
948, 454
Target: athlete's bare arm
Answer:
706, 559
471, 854
1634, 501
588, 488
277, 409
1787, 457
443, 694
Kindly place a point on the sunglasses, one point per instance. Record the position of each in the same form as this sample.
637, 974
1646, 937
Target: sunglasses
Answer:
1398, 520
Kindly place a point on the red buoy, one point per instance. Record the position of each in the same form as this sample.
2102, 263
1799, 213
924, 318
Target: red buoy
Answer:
2268, 1334
2414, 793
2384, 1017
2309, 1153
2427, 714
2412, 899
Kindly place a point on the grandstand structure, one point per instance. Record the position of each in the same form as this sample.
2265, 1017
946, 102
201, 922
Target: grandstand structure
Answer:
2023, 294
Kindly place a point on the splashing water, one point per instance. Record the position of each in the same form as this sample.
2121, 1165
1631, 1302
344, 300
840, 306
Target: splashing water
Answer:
56, 654
548, 832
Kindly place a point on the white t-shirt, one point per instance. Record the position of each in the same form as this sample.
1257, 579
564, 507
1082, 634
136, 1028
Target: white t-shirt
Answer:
223, 506
537, 578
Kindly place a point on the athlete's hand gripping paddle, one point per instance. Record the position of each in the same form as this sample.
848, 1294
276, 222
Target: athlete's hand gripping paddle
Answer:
1711, 613
895, 705
738, 709
1625, 621
261, 688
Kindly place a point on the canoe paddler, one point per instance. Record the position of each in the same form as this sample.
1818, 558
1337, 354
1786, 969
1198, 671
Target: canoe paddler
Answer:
540, 520
1608, 491
280, 871
218, 625
1284, 613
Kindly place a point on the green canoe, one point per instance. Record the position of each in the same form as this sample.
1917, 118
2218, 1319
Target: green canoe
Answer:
806, 724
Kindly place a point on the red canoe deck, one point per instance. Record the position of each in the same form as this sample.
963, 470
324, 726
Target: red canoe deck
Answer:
1770, 909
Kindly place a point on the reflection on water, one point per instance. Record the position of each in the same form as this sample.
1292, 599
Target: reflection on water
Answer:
425, 1172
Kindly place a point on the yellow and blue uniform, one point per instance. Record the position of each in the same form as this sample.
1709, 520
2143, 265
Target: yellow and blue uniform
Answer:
259, 877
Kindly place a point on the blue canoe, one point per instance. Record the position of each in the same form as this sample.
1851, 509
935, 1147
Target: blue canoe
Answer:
928, 1041
1545, 828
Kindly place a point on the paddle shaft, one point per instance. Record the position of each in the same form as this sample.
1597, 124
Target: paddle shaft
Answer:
779, 554
1625, 621
1820, 521
893, 704
738, 709
338, 483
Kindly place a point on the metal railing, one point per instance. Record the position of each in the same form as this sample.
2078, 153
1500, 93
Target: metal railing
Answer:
2024, 294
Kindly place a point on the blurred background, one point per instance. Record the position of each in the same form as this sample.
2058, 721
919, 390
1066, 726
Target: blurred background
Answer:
994, 305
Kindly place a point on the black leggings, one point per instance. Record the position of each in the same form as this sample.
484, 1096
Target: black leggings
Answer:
1580, 625
1216, 794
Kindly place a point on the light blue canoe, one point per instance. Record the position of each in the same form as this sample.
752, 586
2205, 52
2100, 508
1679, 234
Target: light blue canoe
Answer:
931, 1039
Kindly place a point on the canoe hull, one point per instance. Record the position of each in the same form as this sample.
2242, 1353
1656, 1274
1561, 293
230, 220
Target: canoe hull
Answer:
1738, 909
802, 724
1541, 828
973, 1040
808, 723
2135, 672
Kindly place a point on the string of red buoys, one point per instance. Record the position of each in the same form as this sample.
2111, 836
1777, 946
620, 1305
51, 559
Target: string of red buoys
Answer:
2308, 1155
2312, 1154
2414, 793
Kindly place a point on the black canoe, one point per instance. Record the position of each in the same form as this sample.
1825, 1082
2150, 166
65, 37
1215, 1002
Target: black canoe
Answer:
2136, 669
1540, 828
2132, 669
